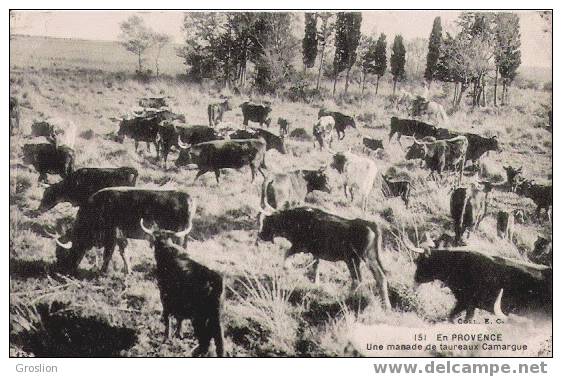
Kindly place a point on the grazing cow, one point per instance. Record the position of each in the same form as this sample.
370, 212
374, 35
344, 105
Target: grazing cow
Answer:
441, 154
478, 145
216, 111
272, 141
341, 121
542, 252
14, 114
285, 190
256, 113
397, 188
169, 133
222, 154
372, 144
469, 206
513, 177
359, 175
323, 132
112, 215
188, 290
283, 126
140, 129
47, 158
410, 127
77, 187
496, 284
541, 195
43, 129
331, 238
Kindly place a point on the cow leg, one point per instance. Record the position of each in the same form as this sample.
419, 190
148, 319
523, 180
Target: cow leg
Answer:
122, 244
253, 170
166, 320
216, 330
148, 146
217, 174
109, 246
398, 139
201, 332
353, 266
315, 266
179, 321
136, 146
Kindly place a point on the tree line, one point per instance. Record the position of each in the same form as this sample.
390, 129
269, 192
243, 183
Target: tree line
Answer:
259, 49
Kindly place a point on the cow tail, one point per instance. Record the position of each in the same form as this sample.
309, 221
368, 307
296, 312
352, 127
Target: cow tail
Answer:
465, 202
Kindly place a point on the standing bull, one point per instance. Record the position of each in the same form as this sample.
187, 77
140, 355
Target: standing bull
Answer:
341, 121
112, 215
331, 238
256, 113
272, 141
223, 154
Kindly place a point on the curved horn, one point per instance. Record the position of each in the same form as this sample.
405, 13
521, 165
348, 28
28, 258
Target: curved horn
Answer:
145, 229
498, 305
185, 232
181, 144
52, 235
66, 246
409, 245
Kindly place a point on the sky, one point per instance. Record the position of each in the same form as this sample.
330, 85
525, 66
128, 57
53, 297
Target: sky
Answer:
536, 45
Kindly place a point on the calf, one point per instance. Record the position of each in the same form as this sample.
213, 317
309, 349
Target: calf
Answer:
188, 290
372, 144
77, 187
216, 111
492, 283
341, 121
541, 195
282, 191
469, 206
329, 237
397, 188
283, 126
221, 154
48, 158
323, 131
513, 177
358, 173
256, 113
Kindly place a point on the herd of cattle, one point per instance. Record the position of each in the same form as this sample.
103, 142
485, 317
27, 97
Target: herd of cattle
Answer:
112, 209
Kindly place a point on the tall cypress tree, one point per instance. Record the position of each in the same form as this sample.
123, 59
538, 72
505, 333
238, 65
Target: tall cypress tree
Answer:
380, 59
433, 49
310, 40
348, 34
397, 61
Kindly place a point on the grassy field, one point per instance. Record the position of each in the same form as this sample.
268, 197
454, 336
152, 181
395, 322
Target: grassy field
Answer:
268, 311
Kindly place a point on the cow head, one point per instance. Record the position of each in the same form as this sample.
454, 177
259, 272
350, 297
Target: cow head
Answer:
185, 157
351, 122
68, 255
339, 160
317, 180
52, 195
164, 236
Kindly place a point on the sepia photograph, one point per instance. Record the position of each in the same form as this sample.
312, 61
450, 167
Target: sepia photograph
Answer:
291, 183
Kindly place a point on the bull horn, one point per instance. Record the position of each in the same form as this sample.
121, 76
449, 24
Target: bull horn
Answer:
145, 229
185, 232
181, 144
66, 246
498, 305
409, 245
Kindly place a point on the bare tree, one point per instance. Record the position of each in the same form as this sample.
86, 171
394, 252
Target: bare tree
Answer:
159, 40
136, 37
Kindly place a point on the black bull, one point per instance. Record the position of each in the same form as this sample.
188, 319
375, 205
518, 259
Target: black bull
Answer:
112, 215
329, 237
221, 154
476, 280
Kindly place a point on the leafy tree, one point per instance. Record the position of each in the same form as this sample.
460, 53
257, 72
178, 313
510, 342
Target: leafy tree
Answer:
310, 40
159, 40
136, 37
433, 49
380, 59
507, 56
348, 34
367, 48
397, 61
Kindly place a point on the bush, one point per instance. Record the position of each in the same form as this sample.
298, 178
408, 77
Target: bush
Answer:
300, 134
